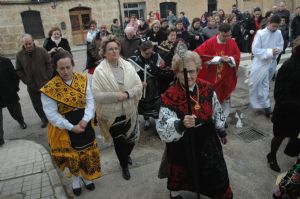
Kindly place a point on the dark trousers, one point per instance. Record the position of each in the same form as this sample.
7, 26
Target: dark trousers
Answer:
36, 101
1, 125
123, 150
16, 113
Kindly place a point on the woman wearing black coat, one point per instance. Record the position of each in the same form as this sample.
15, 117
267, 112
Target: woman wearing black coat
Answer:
55, 42
286, 120
9, 84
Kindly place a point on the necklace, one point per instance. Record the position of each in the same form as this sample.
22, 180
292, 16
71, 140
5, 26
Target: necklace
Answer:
196, 101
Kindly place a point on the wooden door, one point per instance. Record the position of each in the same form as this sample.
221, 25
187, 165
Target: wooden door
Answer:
80, 18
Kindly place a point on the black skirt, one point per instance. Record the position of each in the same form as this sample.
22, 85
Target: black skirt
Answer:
197, 158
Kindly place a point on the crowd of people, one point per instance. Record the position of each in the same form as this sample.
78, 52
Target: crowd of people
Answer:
181, 74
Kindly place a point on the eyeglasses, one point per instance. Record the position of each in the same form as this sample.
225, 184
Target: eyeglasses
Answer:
191, 72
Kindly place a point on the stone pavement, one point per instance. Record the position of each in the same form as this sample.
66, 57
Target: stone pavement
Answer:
27, 171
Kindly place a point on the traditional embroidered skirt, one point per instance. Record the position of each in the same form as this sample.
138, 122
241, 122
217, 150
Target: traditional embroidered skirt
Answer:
78, 152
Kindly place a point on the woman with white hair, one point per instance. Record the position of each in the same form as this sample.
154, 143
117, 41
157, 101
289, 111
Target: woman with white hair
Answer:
194, 154
130, 43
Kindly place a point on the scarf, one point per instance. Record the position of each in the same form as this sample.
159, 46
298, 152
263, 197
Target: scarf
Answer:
56, 41
104, 81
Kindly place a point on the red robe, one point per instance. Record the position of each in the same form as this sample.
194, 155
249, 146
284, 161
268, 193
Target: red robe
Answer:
222, 76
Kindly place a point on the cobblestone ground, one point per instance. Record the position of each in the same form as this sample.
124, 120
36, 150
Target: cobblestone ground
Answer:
27, 172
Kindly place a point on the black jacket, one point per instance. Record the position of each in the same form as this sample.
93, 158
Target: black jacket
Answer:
287, 99
49, 44
9, 83
295, 26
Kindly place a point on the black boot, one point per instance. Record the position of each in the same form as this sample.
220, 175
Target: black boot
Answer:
22, 125
44, 123
268, 112
273, 163
1, 141
129, 160
125, 173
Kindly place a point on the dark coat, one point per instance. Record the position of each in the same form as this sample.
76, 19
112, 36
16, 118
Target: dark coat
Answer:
129, 47
237, 34
49, 44
286, 114
9, 83
295, 26
34, 69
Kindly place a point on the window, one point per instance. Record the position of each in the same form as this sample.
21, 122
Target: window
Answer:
32, 23
165, 7
137, 9
212, 5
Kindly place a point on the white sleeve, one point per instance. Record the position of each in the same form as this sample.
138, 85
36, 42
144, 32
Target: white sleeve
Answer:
259, 51
218, 114
51, 111
90, 106
165, 125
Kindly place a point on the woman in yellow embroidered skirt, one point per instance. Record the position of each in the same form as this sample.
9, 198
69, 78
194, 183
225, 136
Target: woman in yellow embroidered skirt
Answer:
69, 106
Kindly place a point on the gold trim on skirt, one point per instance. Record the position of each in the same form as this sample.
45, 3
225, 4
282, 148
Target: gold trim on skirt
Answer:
85, 163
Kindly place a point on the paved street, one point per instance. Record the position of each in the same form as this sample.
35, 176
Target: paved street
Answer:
245, 156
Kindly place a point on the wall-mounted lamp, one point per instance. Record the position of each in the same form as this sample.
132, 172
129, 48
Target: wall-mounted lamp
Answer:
53, 4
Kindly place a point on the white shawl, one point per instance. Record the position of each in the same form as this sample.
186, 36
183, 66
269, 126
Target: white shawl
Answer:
104, 81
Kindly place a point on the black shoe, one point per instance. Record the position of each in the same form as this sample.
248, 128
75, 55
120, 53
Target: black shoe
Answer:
268, 112
146, 125
76, 191
129, 160
23, 125
125, 173
176, 197
1, 142
226, 125
90, 186
273, 163
44, 124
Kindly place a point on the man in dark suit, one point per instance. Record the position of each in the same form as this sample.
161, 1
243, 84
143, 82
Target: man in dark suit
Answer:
9, 86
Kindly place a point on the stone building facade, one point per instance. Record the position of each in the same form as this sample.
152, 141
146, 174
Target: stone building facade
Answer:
72, 16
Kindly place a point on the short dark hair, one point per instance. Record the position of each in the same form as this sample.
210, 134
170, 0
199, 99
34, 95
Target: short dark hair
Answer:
182, 13
146, 45
275, 19
92, 22
224, 27
52, 30
268, 14
115, 20
171, 29
61, 54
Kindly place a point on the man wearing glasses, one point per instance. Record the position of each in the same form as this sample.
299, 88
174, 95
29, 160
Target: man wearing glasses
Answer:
220, 62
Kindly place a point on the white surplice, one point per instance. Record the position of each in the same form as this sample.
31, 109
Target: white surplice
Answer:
263, 66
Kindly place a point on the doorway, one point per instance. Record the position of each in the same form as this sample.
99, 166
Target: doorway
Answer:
80, 18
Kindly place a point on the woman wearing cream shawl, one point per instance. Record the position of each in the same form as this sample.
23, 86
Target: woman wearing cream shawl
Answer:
117, 89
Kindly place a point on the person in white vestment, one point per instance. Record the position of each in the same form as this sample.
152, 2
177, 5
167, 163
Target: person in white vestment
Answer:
267, 45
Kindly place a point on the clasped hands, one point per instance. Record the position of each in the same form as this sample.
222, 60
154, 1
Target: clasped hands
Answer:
55, 49
121, 96
190, 122
80, 127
